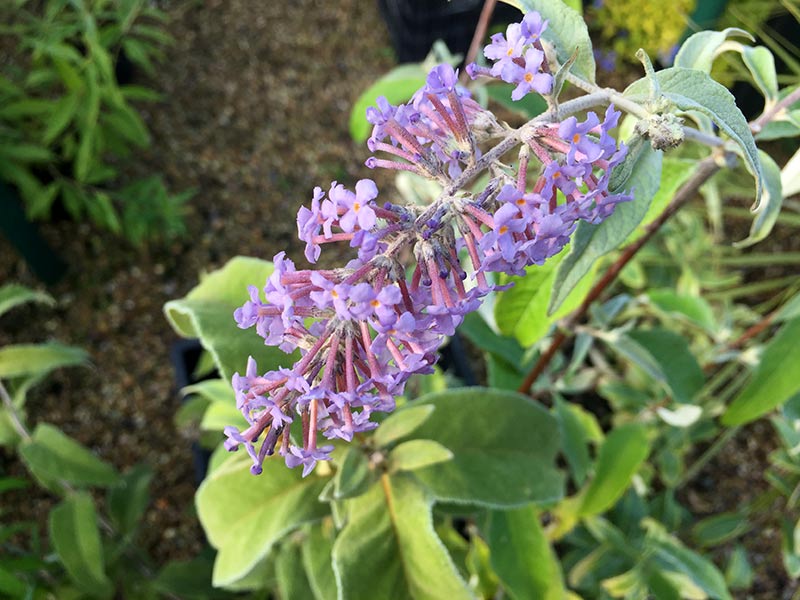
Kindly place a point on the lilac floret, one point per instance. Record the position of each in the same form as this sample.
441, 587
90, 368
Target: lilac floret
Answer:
307, 457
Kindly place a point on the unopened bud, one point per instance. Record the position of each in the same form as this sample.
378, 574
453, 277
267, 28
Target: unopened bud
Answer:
663, 131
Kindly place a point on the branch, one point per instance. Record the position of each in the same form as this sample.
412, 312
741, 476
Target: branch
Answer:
480, 34
769, 114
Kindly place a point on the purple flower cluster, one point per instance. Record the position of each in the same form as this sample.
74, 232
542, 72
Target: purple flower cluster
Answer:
363, 329
518, 57
433, 134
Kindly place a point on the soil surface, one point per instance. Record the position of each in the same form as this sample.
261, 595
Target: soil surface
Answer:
257, 101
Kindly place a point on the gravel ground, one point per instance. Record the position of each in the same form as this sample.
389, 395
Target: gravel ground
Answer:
258, 96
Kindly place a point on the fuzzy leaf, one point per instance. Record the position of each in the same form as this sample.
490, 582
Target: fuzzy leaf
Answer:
522, 556
317, 559
700, 49
389, 548
503, 446
400, 424
522, 310
245, 515
416, 454
767, 214
397, 86
690, 89
207, 313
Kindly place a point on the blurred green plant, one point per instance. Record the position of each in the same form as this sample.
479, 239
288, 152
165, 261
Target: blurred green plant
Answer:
90, 548
66, 123
624, 26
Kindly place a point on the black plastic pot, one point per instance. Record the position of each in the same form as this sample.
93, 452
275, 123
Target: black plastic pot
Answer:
184, 356
26, 239
414, 25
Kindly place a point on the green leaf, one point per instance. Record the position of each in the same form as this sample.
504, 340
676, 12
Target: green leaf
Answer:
674, 172
38, 206
63, 114
761, 64
674, 556
215, 390
13, 294
207, 312
502, 374
700, 49
53, 457
402, 423
128, 501
774, 379
353, 475
245, 515
29, 359
389, 548
29, 107
317, 559
25, 153
127, 123
74, 534
720, 528
522, 556
622, 453
771, 202
138, 93
11, 585
739, 573
189, 579
416, 454
694, 308
503, 444
671, 351
139, 55
576, 437
690, 89
641, 176
397, 86
482, 578
522, 310
566, 30
477, 331
530, 105
86, 155
292, 580
782, 126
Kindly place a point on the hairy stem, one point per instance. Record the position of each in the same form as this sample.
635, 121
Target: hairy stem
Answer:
773, 111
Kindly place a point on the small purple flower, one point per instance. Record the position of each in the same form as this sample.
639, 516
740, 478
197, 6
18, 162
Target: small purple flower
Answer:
357, 206
532, 27
505, 48
307, 457
529, 78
